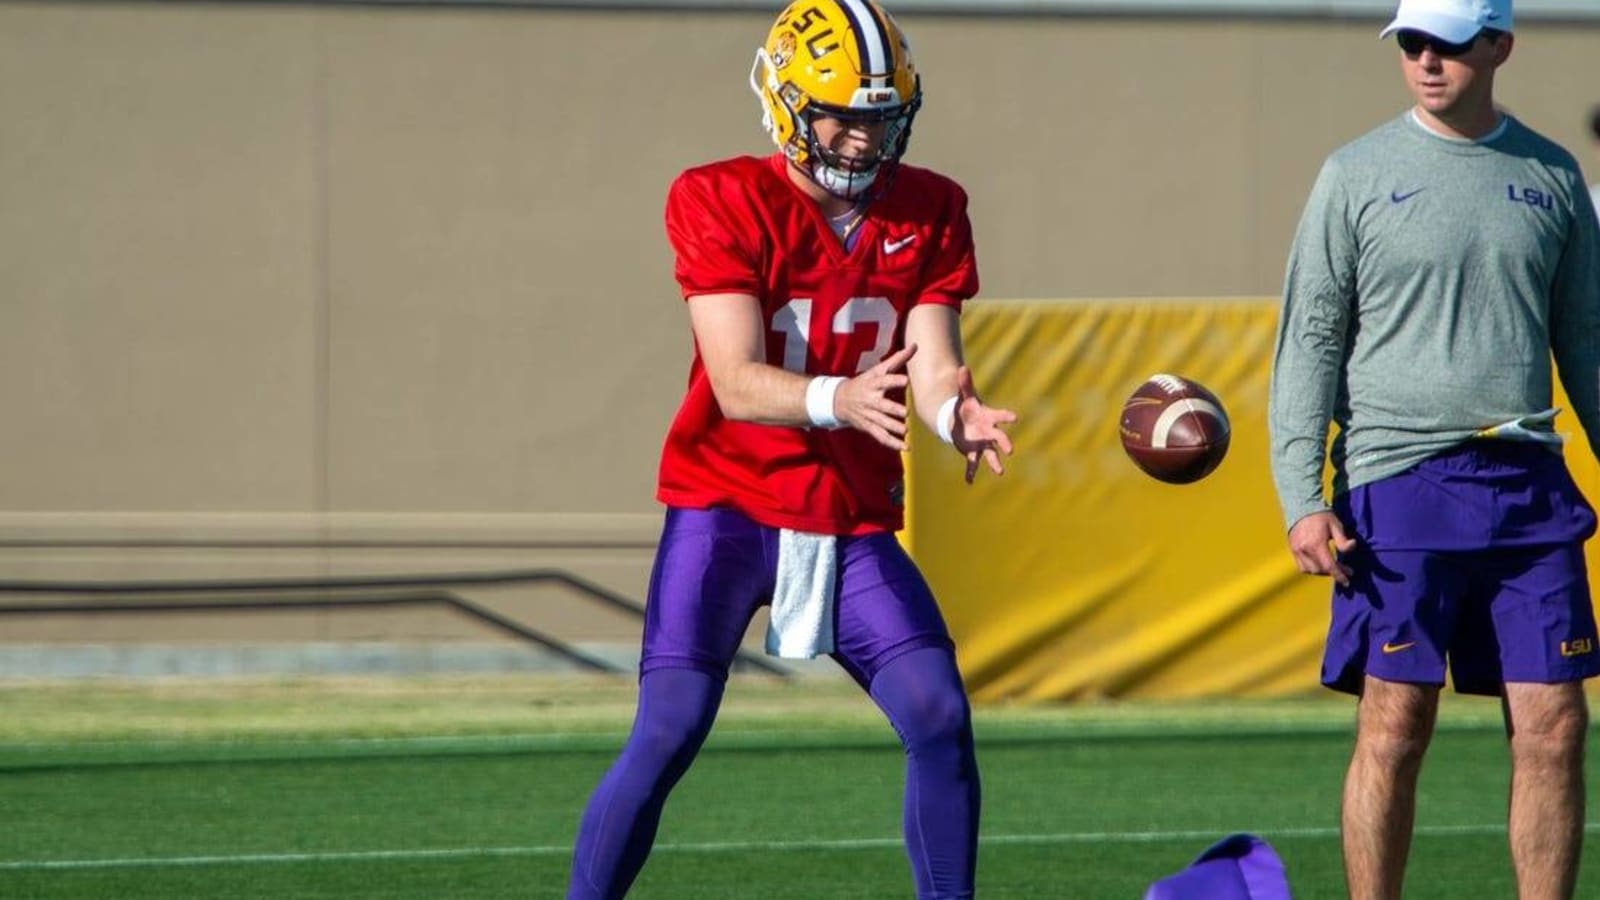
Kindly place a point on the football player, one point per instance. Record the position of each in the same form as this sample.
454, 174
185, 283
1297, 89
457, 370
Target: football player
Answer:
820, 281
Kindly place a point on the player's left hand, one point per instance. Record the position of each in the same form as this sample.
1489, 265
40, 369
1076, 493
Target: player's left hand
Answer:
976, 430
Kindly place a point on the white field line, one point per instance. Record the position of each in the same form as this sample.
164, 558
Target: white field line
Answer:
1078, 837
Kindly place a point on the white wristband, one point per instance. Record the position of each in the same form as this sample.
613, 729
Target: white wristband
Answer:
946, 419
819, 401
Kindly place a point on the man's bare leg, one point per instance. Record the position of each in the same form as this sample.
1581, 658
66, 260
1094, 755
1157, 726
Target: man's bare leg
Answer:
1547, 725
1394, 724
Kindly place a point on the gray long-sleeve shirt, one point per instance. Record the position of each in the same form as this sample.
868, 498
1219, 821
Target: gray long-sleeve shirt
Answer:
1428, 284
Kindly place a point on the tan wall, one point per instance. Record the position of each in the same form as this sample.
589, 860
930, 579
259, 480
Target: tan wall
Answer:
290, 290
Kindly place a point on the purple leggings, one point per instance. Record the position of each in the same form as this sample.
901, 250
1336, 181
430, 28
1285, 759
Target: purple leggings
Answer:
713, 571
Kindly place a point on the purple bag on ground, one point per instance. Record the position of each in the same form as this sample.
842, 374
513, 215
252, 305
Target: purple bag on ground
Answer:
1238, 867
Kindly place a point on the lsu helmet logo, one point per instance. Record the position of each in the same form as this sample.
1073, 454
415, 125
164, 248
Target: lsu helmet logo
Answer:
783, 50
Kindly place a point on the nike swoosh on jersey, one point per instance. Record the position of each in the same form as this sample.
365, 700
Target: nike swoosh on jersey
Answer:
1397, 197
1396, 648
891, 247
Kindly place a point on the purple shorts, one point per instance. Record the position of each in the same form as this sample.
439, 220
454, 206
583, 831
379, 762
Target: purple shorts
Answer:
715, 567
1473, 558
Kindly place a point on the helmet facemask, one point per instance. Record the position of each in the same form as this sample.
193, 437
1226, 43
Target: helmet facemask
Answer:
850, 178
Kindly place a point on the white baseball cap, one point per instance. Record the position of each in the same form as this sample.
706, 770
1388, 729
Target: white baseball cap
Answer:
1456, 21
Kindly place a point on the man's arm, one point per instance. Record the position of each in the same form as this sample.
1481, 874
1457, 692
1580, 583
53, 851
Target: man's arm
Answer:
728, 329
1575, 316
937, 375
936, 330
1318, 304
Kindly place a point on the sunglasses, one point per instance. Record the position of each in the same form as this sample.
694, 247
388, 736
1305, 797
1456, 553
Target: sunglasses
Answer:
1412, 43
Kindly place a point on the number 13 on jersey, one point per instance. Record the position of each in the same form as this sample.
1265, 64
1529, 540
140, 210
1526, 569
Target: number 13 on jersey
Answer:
793, 321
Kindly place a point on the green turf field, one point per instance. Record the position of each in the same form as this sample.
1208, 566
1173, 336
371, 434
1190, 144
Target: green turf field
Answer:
471, 789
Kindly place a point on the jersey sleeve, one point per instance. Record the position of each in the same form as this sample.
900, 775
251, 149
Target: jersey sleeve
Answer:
952, 275
713, 255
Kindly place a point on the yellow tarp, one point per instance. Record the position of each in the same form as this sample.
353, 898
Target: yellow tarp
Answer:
1075, 575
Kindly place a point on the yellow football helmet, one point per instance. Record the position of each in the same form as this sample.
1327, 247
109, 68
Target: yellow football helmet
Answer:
845, 59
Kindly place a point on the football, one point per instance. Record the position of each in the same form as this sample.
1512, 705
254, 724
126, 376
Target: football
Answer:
1174, 429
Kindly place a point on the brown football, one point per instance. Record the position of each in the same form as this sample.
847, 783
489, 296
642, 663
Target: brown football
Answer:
1174, 429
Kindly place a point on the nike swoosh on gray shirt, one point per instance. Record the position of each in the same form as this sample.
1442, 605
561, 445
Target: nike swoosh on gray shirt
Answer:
1428, 284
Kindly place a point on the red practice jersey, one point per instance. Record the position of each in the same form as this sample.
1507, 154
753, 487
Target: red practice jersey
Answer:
741, 227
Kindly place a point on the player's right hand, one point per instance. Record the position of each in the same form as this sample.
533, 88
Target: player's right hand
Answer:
1309, 541
863, 403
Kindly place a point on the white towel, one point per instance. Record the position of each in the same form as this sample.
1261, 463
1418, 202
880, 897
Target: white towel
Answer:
1538, 428
801, 623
